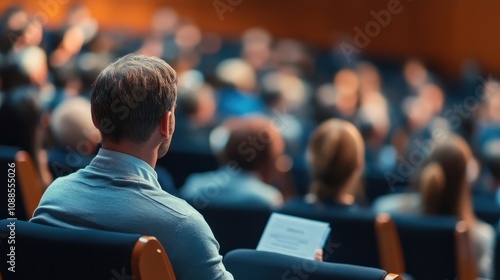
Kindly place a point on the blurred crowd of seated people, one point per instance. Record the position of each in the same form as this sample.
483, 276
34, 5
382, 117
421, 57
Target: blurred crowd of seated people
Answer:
290, 125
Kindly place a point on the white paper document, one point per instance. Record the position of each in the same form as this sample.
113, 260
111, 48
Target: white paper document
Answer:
293, 236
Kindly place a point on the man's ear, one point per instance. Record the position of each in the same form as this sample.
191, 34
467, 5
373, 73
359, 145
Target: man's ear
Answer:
166, 124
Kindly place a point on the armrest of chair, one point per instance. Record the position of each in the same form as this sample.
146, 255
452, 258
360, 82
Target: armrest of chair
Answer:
149, 260
389, 245
392, 276
466, 264
29, 182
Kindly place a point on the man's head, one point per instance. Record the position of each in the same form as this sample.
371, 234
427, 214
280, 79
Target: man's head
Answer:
133, 100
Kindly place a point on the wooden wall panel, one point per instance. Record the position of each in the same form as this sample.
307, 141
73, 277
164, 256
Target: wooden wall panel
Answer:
443, 32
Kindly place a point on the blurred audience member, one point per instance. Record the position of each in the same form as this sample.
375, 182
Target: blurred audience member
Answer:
342, 100
25, 67
250, 158
369, 81
488, 123
238, 98
445, 189
433, 98
20, 123
76, 138
492, 160
292, 53
415, 75
18, 30
196, 120
336, 159
379, 156
256, 49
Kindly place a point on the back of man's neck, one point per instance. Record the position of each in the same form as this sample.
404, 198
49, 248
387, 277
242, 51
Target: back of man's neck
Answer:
141, 152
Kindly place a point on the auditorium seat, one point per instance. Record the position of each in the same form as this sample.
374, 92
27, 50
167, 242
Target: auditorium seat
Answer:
496, 263
251, 264
352, 238
236, 227
28, 188
486, 208
182, 164
46, 252
440, 245
375, 187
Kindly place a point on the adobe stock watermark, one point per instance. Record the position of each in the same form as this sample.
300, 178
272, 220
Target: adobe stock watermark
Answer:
372, 29
308, 267
122, 275
453, 116
223, 6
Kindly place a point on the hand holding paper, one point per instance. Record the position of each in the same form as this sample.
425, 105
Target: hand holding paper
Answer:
293, 236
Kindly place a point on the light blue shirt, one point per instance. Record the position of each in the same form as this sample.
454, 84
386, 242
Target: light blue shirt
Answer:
119, 192
229, 186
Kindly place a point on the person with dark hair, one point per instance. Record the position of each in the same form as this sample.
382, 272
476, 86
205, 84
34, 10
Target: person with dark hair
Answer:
20, 116
27, 67
132, 105
250, 158
18, 30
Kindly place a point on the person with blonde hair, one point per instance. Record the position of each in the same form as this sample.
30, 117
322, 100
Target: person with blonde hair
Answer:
445, 190
335, 156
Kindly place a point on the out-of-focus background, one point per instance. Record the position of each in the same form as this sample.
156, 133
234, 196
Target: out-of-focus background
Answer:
444, 34
402, 72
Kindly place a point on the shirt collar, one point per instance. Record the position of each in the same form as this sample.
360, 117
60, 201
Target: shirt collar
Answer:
124, 163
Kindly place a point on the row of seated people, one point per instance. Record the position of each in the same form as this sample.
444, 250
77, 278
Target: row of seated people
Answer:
352, 241
253, 157
257, 75
348, 96
335, 156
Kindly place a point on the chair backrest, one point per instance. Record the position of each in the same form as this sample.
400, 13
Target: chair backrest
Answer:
182, 164
251, 264
352, 238
431, 247
391, 254
236, 227
45, 252
26, 183
29, 182
497, 258
487, 208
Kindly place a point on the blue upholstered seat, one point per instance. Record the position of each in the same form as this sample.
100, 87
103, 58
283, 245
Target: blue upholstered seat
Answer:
251, 264
352, 239
45, 252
